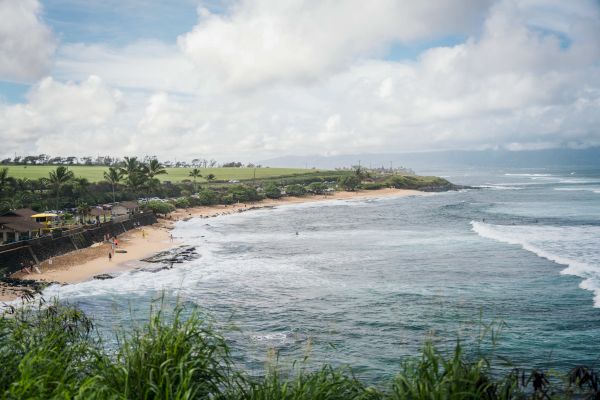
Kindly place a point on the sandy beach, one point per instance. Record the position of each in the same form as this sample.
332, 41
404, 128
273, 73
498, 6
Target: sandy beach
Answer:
84, 264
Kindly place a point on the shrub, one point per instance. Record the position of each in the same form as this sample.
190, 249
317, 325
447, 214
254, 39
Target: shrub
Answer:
53, 352
242, 193
418, 182
316, 187
295, 190
168, 358
45, 352
182, 202
373, 185
349, 182
272, 191
159, 207
208, 197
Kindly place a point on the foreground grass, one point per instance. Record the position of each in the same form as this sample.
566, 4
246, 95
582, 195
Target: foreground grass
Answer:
95, 173
53, 352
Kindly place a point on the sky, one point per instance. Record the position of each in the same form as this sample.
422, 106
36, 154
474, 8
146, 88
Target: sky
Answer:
254, 79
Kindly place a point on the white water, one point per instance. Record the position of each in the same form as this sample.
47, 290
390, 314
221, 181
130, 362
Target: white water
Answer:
576, 247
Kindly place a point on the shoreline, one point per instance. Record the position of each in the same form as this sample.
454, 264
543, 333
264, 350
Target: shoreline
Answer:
82, 265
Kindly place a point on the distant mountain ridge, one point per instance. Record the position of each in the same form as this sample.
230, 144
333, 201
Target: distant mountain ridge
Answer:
455, 158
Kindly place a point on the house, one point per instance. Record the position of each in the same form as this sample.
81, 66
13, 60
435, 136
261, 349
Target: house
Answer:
18, 225
100, 213
125, 208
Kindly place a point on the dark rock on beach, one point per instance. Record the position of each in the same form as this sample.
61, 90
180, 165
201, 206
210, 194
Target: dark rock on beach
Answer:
176, 255
103, 277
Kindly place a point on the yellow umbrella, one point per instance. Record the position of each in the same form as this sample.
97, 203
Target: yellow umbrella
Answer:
44, 215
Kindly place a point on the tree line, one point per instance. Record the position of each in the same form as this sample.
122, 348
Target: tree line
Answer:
105, 161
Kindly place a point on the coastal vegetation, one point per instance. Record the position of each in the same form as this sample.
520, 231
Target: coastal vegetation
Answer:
96, 173
77, 187
51, 351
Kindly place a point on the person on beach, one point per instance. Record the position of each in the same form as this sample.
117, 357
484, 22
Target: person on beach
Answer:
171, 237
109, 256
23, 267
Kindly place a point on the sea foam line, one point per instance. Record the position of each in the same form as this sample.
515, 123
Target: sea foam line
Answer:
511, 235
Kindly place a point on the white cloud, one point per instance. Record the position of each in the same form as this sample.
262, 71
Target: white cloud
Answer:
529, 78
262, 41
26, 43
143, 65
61, 118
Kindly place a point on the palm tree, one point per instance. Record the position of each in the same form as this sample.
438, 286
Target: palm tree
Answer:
57, 179
132, 168
210, 177
130, 165
136, 181
113, 176
4, 178
153, 168
82, 186
195, 173
83, 209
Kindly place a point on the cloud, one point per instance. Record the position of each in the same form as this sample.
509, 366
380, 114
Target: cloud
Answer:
61, 118
528, 77
26, 43
143, 65
262, 41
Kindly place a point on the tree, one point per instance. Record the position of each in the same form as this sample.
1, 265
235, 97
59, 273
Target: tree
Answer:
82, 185
159, 207
4, 179
130, 166
195, 173
210, 177
136, 176
57, 179
136, 181
113, 176
83, 210
153, 168
349, 182
361, 173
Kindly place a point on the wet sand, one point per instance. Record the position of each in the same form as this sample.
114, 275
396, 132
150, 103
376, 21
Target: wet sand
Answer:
84, 264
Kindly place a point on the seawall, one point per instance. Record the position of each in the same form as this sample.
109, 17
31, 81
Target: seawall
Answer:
41, 249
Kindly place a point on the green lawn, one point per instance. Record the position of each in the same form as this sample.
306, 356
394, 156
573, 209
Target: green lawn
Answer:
94, 173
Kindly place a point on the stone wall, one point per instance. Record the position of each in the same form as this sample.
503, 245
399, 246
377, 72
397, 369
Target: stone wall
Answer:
41, 249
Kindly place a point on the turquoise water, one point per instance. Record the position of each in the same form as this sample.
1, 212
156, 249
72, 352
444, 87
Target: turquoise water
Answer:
366, 282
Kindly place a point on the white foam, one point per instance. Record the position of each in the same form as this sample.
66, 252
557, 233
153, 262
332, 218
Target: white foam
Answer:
576, 247
578, 189
529, 175
499, 187
578, 181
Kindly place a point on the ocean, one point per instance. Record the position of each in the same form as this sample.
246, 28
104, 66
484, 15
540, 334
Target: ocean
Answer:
366, 282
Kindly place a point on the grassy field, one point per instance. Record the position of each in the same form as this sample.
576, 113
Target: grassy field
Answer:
94, 173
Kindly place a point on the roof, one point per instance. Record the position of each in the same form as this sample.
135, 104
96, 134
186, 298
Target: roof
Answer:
19, 212
21, 225
129, 204
99, 211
